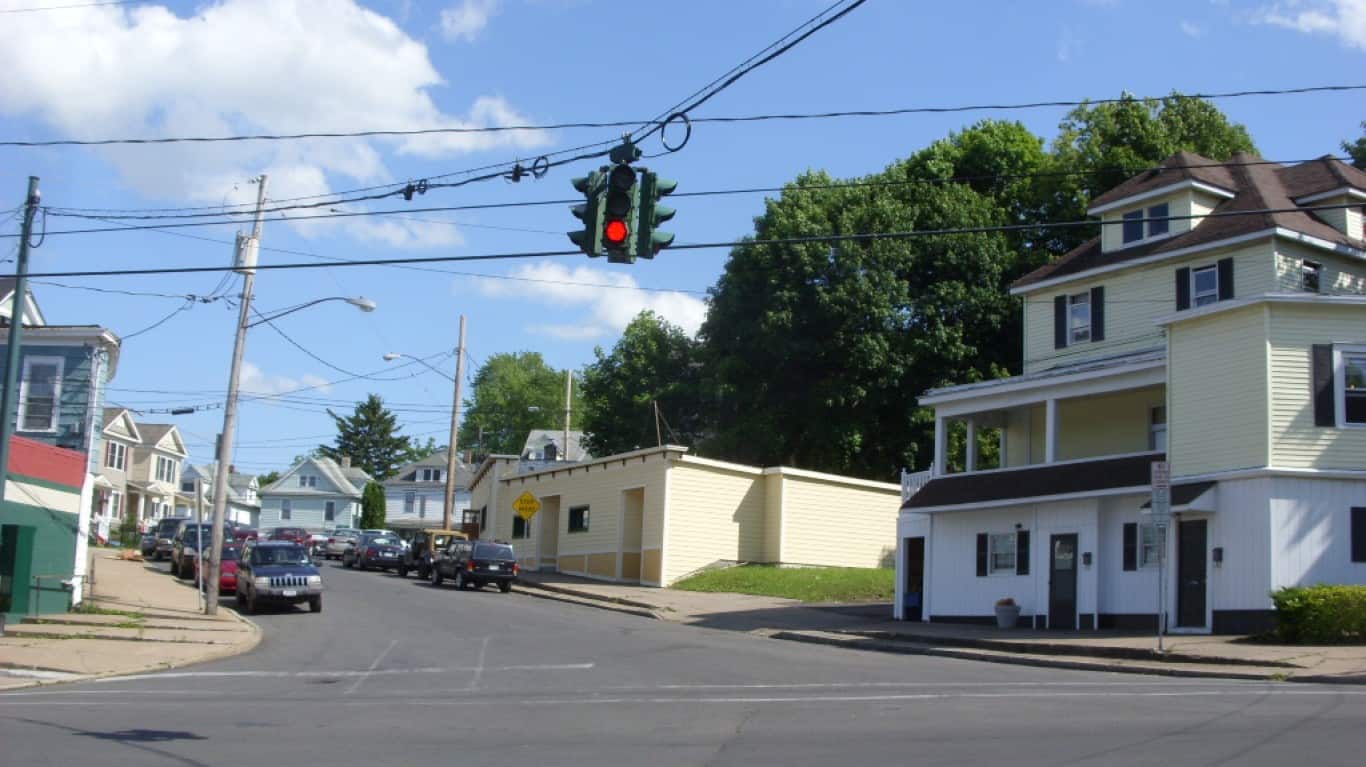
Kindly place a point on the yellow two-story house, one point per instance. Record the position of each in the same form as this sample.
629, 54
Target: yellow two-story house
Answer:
1218, 324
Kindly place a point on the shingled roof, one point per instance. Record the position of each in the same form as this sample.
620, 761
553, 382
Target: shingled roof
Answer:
1255, 185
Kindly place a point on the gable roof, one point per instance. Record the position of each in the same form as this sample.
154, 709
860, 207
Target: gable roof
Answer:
238, 484
1257, 186
155, 435
437, 460
1182, 166
537, 440
349, 482
116, 414
31, 310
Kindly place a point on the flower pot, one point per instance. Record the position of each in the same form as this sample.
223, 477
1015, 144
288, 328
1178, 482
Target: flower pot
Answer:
1007, 615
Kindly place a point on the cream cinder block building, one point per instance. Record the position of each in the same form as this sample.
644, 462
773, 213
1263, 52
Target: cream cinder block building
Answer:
1218, 323
656, 515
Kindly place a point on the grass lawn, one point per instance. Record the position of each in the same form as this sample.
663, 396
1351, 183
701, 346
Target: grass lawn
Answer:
809, 584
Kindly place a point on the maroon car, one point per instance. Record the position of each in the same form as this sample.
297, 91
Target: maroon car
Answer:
292, 534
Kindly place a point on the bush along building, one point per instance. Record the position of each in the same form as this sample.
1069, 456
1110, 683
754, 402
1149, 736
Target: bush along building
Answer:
55, 455
1219, 323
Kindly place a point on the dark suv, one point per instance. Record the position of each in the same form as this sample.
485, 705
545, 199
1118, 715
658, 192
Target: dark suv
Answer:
418, 556
279, 572
476, 563
185, 547
164, 536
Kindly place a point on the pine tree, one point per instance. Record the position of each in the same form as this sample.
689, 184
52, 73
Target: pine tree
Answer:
372, 507
370, 438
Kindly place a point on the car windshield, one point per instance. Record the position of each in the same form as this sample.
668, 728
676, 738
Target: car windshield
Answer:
492, 551
280, 555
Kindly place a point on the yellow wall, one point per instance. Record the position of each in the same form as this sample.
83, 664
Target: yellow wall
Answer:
1338, 275
1296, 441
838, 524
715, 514
1187, 202
1107, 424
1217, 392
1134, 300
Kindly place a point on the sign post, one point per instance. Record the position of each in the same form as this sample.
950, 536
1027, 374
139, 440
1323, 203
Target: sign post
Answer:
1161, 514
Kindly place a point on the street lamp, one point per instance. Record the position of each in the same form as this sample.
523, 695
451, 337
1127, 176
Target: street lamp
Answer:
447, 515
360, 302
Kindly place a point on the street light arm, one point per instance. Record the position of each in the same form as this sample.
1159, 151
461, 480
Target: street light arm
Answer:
360, 302
391, 356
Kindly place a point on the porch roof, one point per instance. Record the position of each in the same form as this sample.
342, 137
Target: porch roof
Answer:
1146, 367
1008, 486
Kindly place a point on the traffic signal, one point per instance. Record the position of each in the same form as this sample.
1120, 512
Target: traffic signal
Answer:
589, 238
652, 214
619, 214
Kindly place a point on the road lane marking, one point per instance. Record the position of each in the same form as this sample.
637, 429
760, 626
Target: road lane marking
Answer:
341, 673
479, 666
378, 659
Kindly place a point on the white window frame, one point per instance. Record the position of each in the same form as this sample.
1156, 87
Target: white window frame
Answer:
1074, 333
116, 456
57, 380
1151, 541
1196, 294
168, 474
1127, 219
286, 509
329, 511
1152, 213
526, 528
430, 475
1340, 355
409, 502
994, 541
115, 505
1156, 427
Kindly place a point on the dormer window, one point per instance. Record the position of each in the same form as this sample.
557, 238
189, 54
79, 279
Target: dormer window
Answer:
429, 475
1133, 226
1156, 224
1157, 220
308, 480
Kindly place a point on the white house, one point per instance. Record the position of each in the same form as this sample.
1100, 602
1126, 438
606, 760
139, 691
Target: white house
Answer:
243, 503
1218, 322
415, 497
316, 494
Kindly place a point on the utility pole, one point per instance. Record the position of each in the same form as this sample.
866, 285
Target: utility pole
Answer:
449, 509
568, 398
246, 265
16, 331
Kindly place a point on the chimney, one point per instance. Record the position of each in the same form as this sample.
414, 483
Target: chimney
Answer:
232, 469
346, 461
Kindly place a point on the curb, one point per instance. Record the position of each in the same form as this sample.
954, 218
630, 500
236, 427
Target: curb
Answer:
588, 596
560, 595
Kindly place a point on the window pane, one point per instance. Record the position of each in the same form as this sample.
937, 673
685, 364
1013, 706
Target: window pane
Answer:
40, 403
1158, 227
1206, 285
1002, 549
1133, 226
1079, 309
1309, 273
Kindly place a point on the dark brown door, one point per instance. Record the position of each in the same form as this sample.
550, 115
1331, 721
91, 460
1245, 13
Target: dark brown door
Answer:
914, 598
1190, 573
1062, 581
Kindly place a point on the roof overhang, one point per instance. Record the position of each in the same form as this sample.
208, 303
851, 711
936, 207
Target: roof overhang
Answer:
1221, 307
1136, 373
1193, 496
1161, 191
1342, 191
1051, 482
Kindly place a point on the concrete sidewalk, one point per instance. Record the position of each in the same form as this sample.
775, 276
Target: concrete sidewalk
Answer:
140, 619
869, 627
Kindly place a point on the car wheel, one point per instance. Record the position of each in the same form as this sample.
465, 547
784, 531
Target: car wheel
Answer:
251, 603
423, 571
360, 565
460, 581
401, 571
436, 577
315, 604
241, 598
346, 562
505, 586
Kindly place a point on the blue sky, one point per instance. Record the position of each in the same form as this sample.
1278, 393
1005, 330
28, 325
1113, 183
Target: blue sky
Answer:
278, 66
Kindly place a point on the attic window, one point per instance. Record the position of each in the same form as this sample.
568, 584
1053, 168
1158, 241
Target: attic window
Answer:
1133, 226
1309, 276
1157, 220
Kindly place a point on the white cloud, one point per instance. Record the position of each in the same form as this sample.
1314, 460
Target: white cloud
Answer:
1190, 29
466, 20
242, 66
1344, 19
254, 381
600, 301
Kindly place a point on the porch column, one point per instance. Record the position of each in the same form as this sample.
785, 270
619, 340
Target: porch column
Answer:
971, 459
1050, 439
1005, 423
941, 447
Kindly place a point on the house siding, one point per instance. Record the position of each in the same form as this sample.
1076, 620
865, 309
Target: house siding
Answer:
1296, 441
1217, 392
1338, 274
309, 512
1135, 300
1311, 531
715, 515
74, 398
815, 509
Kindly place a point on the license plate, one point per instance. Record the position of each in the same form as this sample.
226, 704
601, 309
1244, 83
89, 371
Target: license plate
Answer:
290, 593
493, 567
388, 555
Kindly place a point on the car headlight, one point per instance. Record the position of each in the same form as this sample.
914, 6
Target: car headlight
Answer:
263, 582
315, 580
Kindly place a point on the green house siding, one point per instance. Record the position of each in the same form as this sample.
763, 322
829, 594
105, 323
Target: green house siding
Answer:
76, 393
37, 552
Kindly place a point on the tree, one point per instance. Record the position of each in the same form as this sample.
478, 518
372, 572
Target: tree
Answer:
513, 394
1357, 149
370, 438
267, 479
372, 507
418, 452
653, 362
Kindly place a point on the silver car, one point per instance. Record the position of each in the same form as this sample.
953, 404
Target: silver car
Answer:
338, 541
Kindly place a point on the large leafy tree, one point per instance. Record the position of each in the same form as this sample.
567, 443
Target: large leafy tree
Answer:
820, 351
370, 438
654, 362
513, 394
372, 507
1357, 149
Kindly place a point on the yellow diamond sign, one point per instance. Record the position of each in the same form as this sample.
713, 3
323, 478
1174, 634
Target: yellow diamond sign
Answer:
526, 505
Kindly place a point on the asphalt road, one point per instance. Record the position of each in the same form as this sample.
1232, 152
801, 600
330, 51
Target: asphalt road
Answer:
395, 672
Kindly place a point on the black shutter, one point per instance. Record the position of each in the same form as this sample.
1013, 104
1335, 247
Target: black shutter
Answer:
1022, 552
1359, 534
981, 554
1130, 546
1059, 322
1325, 402
1183, 288
1225, 279
1098, 313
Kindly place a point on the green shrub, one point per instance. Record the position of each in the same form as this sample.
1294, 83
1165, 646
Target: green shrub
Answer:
128, 532
1321, 614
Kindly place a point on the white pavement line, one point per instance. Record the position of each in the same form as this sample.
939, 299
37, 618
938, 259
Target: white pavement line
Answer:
479, 666
361, 679
343, 673
896, 685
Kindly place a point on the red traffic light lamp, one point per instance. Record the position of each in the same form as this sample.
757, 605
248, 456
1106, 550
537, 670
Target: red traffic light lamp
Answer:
616, 232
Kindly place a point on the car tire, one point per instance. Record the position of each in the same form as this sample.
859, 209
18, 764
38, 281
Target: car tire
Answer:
460, 581
360, 565
436, 578
251, 603
346, 562
401, 571
424, 572
505, 586
241, 599
315, 604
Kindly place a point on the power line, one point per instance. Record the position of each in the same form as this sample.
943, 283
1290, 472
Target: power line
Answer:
864, 237
718, 119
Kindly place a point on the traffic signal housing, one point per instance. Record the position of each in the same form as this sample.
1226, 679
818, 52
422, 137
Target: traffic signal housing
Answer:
650, 241
589, 238
619, 214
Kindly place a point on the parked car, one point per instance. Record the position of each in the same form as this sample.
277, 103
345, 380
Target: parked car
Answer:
292, 534
242, 534
165, 532
382, 551
278, 572
185, 547
472, 564
227, 566
148, 545
338, 540
418, 556
317, 544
